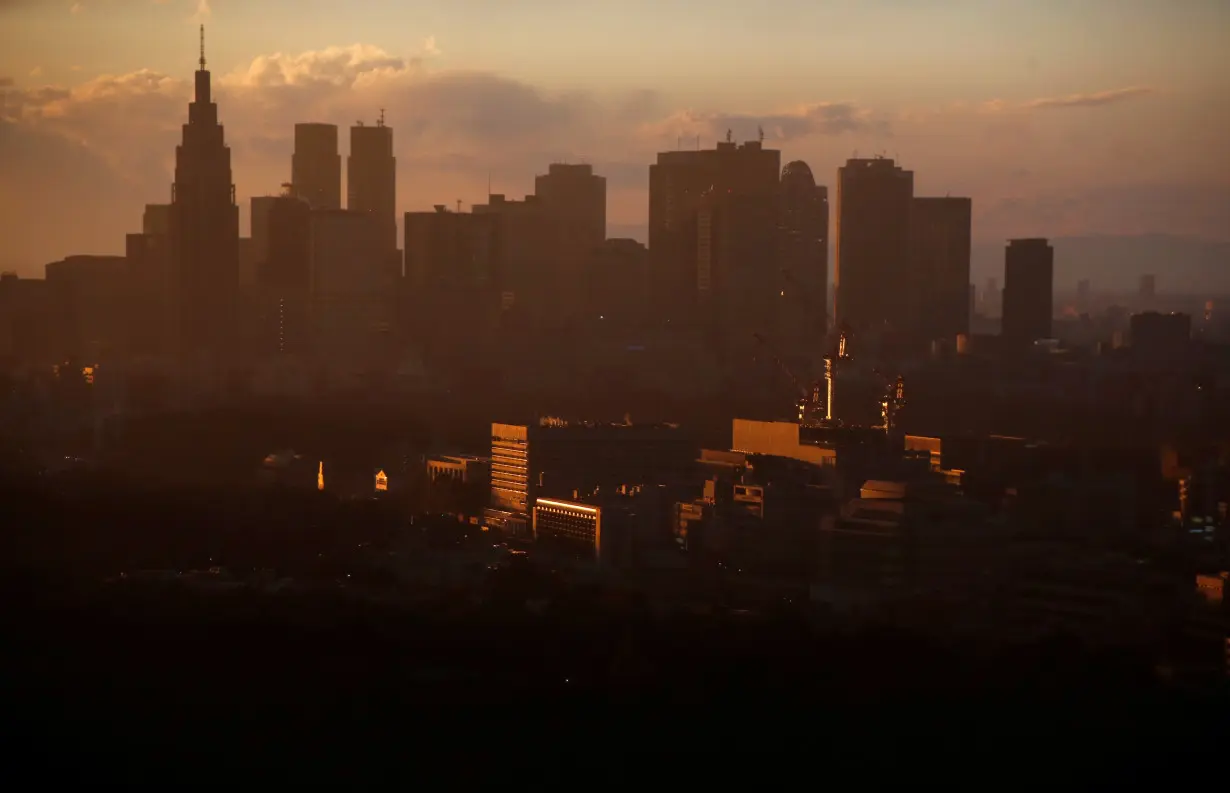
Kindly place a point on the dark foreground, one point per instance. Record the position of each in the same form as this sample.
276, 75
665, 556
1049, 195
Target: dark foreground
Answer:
147, 683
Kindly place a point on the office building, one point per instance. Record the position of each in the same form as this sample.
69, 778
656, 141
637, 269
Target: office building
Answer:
805, 249
204, 231
316, 166
679, 183
617, 289
449, 251
874, 290
156, 220
1029, 274
354, 287
284, 277
371, 179
26, 321
524, 258
940, 242
150, 280
1160, 334
574, 199
575, 460
90, 298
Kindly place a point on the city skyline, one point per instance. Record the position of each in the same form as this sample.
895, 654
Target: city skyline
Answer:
1039, 137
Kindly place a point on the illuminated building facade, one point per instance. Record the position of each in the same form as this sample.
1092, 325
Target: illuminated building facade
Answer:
874, 199
1028, 298
316, 166
568, 523
562, 460
204, 231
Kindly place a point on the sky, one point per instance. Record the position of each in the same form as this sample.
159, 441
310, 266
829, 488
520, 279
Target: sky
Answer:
1058, 117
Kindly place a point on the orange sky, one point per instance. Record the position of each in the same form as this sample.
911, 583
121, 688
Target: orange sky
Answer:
1103, 116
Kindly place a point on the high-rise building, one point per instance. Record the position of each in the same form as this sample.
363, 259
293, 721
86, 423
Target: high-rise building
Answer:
284, 277
874, 199
204, 230
90, 296
156, 220
679, 184
1029, 275
316, 166
574, 199
524, 260
371, 179
805, 248
940, 231
354, 288
152, 282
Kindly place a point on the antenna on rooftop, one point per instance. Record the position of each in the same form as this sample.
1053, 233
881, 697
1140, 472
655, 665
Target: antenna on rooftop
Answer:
202, 48
458, 204
380, 123
729, 136
760, 133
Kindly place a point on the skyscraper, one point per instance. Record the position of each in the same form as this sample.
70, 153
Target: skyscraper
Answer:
574, 200
941, 230
1029, 274
805, 247
204, 226
284, 277
679, 183
873, 244
316, 166
371, 178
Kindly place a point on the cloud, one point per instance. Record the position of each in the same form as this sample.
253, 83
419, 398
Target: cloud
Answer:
1091, 100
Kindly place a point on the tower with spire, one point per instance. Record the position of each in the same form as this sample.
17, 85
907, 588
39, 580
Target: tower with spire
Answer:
205, 231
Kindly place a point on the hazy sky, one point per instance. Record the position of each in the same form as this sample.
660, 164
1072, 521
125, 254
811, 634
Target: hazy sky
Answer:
1059, 117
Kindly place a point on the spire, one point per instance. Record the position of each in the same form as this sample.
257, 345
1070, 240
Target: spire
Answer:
202, 48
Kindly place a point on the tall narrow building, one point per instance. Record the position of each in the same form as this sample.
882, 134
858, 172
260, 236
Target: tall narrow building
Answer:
941, 229
371, 178
574, 200
804, 251
204, 231
316, 166
873, 244
1029, 277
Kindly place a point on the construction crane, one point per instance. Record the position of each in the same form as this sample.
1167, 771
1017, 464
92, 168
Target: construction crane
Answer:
816, 404
892, 401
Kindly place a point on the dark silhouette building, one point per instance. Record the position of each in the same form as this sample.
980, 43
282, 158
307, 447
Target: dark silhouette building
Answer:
284, 277
371, 179
804, 249
874, 199
1029, 275
1159, 334
26, 321
89, 297
679, 184
524, 258
316, 166
354, 288
574, 199
204, 230
941, 229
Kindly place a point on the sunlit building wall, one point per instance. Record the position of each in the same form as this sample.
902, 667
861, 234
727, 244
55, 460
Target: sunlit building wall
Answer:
568, 523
